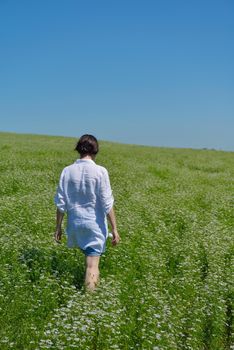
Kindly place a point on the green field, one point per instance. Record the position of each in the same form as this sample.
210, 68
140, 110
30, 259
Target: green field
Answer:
169, 284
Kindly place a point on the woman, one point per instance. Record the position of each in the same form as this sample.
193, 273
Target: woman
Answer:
84, 193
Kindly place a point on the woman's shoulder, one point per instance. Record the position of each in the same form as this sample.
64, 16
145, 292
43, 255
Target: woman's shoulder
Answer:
94, 168
102, 169
67, 170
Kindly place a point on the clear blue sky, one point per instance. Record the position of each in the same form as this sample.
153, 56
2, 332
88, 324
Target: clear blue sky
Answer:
153, 72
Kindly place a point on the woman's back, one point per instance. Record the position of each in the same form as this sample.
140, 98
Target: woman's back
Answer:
84, 192
82, 187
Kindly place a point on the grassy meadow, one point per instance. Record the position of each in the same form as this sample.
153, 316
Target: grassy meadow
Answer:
169, 284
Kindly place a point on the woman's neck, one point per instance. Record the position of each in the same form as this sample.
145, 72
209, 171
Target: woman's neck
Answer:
87, 157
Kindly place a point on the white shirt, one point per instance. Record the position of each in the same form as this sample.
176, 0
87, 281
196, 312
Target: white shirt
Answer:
84, 193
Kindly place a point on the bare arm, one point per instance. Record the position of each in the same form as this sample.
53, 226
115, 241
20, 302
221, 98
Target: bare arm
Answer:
112, 220
58, 229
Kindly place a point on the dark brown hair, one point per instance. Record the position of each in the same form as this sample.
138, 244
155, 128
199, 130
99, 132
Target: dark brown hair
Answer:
87, 144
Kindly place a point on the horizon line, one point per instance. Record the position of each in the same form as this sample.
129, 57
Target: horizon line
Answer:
122, 143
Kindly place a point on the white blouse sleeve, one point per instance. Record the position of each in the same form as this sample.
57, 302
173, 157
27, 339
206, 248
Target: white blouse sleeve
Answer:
106, 195
59, 198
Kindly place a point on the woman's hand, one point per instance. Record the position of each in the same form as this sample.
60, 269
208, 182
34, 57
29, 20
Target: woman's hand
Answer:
111, 218
116, 237
58, 235
58, 230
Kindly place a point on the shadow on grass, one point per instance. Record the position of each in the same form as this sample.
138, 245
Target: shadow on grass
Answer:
55, 263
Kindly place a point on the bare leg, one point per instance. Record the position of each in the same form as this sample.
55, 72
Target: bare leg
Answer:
92, 272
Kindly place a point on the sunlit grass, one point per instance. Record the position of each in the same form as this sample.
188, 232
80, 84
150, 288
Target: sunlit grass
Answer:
168, 285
